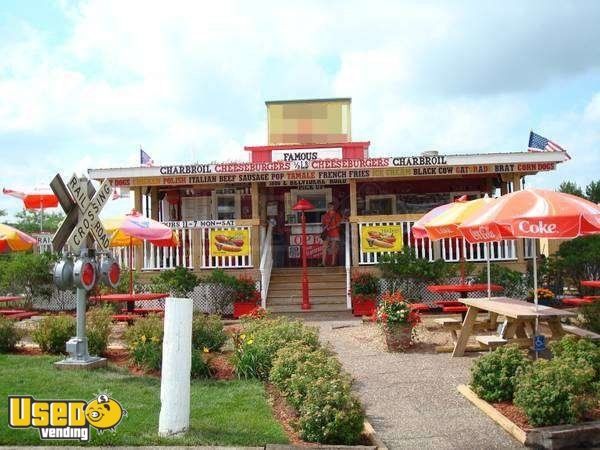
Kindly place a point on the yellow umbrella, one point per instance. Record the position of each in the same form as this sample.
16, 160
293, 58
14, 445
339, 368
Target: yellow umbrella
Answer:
14, 240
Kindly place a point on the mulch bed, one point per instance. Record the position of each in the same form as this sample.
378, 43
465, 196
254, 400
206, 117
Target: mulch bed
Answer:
517, 416
285, 415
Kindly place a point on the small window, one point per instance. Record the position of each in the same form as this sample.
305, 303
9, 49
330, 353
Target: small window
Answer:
381, 204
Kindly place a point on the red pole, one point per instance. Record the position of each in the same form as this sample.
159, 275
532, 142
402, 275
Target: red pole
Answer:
130, 267
305, 299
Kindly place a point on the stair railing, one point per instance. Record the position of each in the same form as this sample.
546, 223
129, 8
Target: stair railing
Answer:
348, 263
266, 265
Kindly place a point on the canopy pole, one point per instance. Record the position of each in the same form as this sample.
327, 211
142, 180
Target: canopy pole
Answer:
535, 280
130, 267
487, 260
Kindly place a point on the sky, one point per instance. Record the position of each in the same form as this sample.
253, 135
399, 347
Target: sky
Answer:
86, 83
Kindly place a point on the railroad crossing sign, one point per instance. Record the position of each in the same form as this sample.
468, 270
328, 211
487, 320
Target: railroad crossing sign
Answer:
82, 204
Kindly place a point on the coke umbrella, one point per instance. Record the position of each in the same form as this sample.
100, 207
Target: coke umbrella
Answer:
443, 222
14, 240
39, 198
533, 213
133, 229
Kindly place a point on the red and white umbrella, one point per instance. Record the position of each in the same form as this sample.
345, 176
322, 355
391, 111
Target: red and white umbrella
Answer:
39, 198
533, 213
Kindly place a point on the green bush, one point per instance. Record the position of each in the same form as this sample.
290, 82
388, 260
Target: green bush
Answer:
579, 259
200, 367
257, 346
9, 335
208, 332
493, 376
53, 332
98, 325
513, 281
144, 340
178, 281
365, 284
554, 392
577, 351
29, 274
591, 316
331, 414
286, 362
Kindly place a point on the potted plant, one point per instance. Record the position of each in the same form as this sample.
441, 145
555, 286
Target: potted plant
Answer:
545, 297
365, 288
246, 297
397, 320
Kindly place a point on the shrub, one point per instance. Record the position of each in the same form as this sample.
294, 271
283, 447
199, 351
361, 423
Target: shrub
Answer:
553, 392
331, 414
257, 346
52, 333
207, 332
365, 284
578, 351
9, 335
28, 273
98, 324
493, 376
245, 291
591, 316
200, 367
286, 362
178, 281
579, 259
513, 281
144, 339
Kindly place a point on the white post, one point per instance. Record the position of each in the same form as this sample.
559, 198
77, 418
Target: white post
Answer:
174, 415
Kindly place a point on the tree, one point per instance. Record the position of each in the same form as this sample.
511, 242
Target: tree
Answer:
28, 221
592, 191
569, 187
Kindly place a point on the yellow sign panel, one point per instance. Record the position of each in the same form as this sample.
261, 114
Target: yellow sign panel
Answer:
381, 238
234, 242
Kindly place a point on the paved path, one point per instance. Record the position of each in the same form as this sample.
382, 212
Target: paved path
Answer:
411, 399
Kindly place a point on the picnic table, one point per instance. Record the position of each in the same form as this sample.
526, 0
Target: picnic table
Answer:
520, 318
16, 314
11, 298
130, 299
591, 283
454, 306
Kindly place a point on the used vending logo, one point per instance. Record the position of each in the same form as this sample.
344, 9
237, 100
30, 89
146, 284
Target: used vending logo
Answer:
64, 419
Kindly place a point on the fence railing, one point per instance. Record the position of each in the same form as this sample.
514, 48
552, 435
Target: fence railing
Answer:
266, 264
451, 250
423, 247
170, 257
208, 261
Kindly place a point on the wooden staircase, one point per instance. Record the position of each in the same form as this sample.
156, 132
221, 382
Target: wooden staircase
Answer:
327, 290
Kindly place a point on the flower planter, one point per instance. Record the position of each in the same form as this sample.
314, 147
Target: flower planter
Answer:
243, 308
362, 306
398, 337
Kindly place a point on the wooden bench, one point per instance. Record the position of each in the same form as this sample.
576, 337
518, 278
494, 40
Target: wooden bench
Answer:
491, 341
575, 301
451, 325
581, 332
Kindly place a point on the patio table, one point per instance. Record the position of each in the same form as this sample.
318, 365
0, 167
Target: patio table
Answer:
130, 299
519, 314
462, 289
591, 283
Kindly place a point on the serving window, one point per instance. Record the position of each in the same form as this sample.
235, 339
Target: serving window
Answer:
209, 204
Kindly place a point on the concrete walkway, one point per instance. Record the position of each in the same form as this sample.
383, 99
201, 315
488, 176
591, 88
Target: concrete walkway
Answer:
411, 398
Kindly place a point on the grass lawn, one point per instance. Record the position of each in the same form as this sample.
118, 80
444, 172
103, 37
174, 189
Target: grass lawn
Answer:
222, 412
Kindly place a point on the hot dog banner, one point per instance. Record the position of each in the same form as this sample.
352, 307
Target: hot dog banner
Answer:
229, 242
381, 238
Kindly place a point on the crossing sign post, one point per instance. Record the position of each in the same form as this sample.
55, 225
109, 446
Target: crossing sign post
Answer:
78, 233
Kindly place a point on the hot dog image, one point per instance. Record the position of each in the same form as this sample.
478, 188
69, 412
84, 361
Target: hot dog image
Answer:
228, 247
228, 243
380, 243
387, 237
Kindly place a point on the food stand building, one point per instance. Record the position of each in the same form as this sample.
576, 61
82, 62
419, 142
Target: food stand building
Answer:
238, 215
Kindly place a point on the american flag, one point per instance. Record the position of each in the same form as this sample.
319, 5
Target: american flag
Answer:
145, 159
537, 143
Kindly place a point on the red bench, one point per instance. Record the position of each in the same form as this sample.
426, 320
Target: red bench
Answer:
419, 307
144, 310
591, 297
573, 301
129, 318
455, 309
10, 312
22, 315
447, 303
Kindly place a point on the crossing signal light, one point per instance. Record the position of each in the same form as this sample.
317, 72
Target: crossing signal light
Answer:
84, 273
63, 274
110, 271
